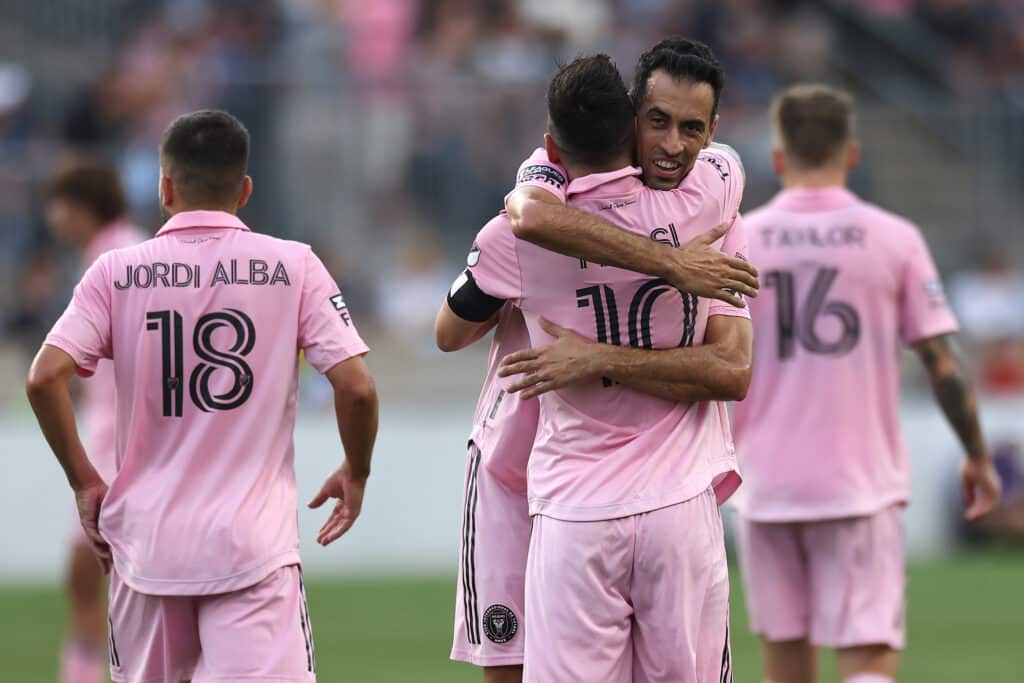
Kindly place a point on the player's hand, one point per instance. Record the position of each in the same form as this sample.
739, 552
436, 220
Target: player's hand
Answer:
569, 359
981, 487
699, 268
89, 500
348, 489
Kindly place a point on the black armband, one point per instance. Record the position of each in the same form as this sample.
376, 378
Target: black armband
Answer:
469, 302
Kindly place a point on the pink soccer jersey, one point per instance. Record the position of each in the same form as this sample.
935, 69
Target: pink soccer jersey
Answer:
504, 426
843, 284
604, 450
98, 392
204, 324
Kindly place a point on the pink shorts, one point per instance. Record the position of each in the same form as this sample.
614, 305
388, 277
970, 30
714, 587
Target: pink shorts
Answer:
259, 633
489, 601
639, 599
839, 583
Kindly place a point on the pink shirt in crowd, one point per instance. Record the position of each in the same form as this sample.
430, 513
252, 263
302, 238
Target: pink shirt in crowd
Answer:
98, 392
204, 324
604, 450
843, 283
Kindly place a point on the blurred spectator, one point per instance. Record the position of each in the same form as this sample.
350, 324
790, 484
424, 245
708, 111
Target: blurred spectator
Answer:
988, 303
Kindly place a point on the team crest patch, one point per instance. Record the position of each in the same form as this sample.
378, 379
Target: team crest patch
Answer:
500, 624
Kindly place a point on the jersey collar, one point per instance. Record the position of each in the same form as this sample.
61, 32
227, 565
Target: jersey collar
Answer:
202, 219
815, 199
610, 182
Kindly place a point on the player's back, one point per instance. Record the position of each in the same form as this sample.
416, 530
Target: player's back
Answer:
843, 283
205, 323
604, 448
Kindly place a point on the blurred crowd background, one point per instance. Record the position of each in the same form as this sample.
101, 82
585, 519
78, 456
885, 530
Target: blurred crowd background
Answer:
386, 133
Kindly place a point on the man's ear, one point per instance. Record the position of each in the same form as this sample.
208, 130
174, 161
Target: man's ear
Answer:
167, 192
852, 156
711, 131
552, 149
243, 198
779, 161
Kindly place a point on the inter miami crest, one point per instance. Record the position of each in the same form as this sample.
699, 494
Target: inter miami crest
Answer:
500, 624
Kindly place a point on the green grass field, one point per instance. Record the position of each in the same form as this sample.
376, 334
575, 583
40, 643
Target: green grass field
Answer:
966, 622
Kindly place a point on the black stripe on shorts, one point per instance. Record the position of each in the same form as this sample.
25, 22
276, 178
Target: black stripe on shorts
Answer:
469, 597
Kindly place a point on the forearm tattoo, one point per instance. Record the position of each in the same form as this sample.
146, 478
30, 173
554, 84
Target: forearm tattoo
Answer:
953, 392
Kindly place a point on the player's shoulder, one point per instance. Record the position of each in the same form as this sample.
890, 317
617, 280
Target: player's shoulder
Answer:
888, 223
726, 163
758, 216
724, 156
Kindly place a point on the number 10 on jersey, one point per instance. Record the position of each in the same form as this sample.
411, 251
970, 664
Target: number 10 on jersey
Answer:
169, 325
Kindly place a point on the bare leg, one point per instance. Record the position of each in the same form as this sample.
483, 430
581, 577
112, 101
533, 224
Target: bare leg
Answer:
503, 674
84, 659
868, 659
789, 661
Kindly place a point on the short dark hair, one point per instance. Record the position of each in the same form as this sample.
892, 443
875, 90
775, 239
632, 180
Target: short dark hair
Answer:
206, 154
680, 58
590, 116
94, 185
812, 123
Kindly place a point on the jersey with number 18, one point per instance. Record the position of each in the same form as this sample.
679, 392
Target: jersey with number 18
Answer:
204, 323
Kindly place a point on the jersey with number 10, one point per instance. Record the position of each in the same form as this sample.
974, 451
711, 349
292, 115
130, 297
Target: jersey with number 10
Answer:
604, 450
843, 283
204, 324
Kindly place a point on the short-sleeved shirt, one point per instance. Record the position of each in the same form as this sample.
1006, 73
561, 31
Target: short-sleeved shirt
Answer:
98, 392
204, 324
843, 284
604, 450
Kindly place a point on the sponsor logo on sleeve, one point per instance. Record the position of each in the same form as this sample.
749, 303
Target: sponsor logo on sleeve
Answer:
342, 308
540, 173
935, 292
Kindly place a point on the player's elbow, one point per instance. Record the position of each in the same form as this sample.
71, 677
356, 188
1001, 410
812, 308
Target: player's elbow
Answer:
37, 386
527, 220
41, 377
360, 392
738, 385
446, 339
735, 381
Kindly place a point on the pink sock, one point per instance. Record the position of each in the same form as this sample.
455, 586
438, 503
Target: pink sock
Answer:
869, 677
82, 664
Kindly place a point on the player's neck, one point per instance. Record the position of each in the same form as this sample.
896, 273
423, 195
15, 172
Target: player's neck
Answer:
817, 179
579, 170
182, 208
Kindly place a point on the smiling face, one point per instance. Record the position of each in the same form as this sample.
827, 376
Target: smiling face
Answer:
674, 123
